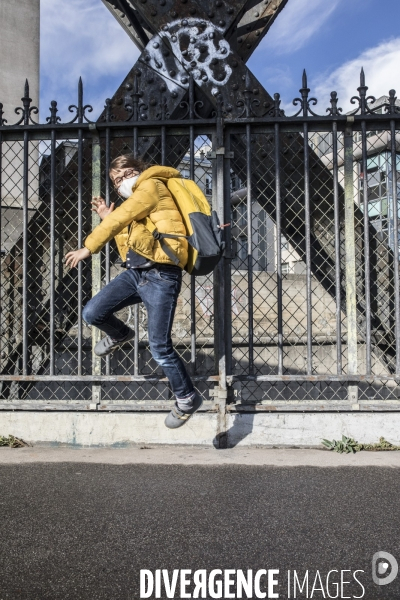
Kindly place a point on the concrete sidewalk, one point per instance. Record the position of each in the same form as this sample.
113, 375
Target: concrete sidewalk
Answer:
179, 455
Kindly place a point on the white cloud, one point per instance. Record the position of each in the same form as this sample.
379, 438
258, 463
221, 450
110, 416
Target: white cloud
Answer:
81, 38
381, 67
298, 22
279, 79
277, 76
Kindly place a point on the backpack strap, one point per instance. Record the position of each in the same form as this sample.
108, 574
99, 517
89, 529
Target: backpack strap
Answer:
160, 237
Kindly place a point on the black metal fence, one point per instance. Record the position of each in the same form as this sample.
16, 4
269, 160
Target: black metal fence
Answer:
302, 312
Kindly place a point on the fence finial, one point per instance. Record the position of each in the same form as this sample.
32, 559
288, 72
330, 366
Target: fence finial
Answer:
392, 108
362, 99
362, 77
80, 100
53, 119
26, 101
304, 91
304, 79
334, 110
278, 112
108, 107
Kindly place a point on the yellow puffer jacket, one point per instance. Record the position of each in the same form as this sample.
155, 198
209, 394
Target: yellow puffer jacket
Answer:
150, 204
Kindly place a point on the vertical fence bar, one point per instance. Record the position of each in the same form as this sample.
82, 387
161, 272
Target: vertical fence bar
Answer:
192, 277
367, 262
80, 243
308, 247
2, 332
278, 208
218, 205
335, 173
52, 243
350, 249
219, 280
25, 255
136, 340
227, 255
395, 209
136, 306
250, 248
80, 227
163, 144
96, 262
107, 199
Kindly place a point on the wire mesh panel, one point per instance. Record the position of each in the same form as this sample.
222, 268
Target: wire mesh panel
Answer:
59, 342
291, 272
40, 298
304, 306
192, 331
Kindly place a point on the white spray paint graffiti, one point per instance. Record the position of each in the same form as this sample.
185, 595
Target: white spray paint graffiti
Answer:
198, 46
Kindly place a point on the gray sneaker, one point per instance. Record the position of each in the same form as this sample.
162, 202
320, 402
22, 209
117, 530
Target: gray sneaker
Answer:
108, 345
177, 417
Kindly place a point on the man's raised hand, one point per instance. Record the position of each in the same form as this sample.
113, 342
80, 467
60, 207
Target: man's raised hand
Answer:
100, 207
74, 257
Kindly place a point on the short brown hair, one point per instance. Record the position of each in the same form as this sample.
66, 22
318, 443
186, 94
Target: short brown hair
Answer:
128, 161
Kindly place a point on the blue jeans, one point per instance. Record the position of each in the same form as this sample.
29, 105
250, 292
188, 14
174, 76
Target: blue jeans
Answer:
158, 288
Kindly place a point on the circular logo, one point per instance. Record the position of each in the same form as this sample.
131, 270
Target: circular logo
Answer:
384, 568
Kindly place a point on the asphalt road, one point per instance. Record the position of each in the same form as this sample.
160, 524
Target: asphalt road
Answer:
83, 531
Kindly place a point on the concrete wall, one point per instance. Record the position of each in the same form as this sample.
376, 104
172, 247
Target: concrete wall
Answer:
269, 429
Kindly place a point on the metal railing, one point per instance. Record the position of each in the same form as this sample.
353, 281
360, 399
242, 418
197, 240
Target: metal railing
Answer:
302, 312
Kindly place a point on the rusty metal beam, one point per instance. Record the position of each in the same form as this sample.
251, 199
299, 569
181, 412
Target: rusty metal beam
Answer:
257, 19
251, 23
130, 22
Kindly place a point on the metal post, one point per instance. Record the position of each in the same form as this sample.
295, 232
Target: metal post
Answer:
192, 277
52, 245
350, 249
250, 249
107, 199
395, 209
135, 141
2, 293
96, 263
367, 262
228, 255
307, 213
25, 256
335, 172
278, 247
80, 240
219, 282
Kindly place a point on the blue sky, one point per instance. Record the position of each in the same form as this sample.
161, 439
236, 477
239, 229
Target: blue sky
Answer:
331, 39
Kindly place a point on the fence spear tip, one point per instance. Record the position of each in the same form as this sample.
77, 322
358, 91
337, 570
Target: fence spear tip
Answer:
304, 79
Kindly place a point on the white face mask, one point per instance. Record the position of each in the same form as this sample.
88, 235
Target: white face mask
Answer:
125, 189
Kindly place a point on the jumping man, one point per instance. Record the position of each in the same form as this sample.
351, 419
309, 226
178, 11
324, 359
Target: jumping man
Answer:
150, 276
